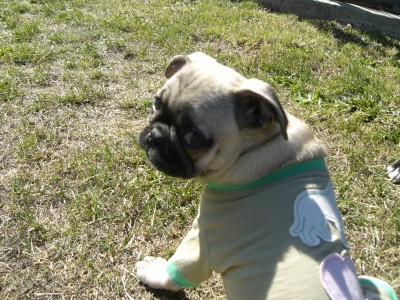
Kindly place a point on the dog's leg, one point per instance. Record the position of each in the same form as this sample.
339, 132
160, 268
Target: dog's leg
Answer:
393, 171
153, 272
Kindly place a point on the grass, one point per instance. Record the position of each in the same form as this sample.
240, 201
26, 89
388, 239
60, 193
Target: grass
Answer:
79, 205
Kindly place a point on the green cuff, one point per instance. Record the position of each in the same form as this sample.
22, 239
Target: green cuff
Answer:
377, 285
177, 277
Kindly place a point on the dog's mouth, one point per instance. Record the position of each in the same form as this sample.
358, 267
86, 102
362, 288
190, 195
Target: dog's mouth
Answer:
165, 152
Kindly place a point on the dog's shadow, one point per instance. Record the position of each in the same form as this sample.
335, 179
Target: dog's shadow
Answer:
167, 295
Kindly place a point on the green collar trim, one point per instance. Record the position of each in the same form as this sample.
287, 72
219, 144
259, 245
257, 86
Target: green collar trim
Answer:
279, 174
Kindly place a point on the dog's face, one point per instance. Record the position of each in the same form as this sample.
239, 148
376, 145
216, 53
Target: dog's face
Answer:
207, 116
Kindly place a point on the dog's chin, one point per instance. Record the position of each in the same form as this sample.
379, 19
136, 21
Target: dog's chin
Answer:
171, 165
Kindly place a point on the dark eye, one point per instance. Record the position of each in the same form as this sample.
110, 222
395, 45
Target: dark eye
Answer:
193, 139
157, 104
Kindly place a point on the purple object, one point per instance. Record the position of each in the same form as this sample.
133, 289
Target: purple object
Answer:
339, 278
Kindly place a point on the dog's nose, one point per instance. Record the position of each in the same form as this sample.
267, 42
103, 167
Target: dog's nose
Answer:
155, 137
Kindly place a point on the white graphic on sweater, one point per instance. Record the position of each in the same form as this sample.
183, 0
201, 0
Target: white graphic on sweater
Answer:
312, 210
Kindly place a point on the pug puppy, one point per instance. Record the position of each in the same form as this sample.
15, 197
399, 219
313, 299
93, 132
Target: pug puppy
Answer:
268, 220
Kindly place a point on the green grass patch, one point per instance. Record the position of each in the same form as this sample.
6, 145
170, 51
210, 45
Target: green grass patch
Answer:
79, 204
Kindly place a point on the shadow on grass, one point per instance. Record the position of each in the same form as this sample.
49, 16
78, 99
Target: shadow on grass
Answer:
342, 33
166, 295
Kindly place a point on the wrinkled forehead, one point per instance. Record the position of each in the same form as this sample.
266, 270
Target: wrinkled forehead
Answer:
199, 81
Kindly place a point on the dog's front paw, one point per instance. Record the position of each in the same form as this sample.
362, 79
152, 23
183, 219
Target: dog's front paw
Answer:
153, 272
393, 171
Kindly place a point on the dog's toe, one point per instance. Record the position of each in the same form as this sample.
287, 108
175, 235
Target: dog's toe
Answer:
394, 172
149, 259
394, 176
140, 265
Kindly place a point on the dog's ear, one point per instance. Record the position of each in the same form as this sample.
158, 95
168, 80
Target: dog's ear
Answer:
257, 105
178, 61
